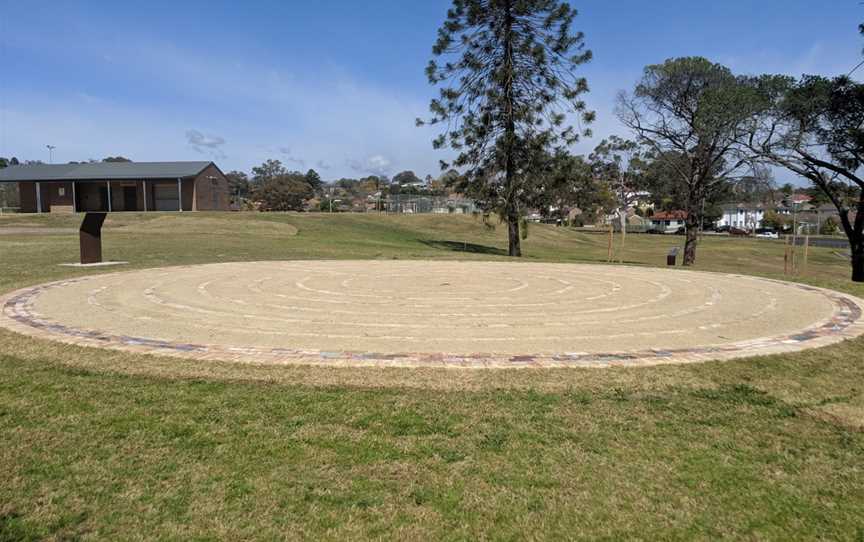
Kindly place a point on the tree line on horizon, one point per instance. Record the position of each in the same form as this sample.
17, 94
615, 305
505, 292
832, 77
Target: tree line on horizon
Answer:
273, 187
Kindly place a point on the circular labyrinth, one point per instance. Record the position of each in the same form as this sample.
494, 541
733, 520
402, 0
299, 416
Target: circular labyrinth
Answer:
421, 313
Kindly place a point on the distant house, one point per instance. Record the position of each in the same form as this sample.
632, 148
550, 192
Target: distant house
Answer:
744, 216
796, 208
119, 186
634, 220
668, 221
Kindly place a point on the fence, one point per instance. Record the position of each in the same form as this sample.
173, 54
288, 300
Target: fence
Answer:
428, 204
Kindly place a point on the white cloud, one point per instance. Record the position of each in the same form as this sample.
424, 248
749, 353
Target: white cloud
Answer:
373, 165
205, 144
814, 58
298, 162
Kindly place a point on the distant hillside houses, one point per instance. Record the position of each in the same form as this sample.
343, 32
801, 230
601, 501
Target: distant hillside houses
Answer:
412, 204
795, 209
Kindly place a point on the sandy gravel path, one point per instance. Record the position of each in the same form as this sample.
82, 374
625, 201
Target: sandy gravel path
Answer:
422, 313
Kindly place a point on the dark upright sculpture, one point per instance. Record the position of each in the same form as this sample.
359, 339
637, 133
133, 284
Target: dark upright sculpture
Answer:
90, 236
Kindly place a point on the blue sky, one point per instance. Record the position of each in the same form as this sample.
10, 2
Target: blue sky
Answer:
333, 85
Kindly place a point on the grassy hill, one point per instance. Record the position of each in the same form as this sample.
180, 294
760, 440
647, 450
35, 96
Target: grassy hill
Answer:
159, 239
109, 445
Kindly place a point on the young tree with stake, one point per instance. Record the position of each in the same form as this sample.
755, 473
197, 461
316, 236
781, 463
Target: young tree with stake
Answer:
507, 76
620, 165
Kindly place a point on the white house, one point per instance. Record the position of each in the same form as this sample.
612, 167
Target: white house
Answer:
744, 216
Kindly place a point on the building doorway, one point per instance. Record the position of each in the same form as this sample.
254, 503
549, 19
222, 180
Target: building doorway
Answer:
130, 198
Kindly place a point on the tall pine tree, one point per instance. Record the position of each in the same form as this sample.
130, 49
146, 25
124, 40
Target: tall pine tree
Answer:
506, 72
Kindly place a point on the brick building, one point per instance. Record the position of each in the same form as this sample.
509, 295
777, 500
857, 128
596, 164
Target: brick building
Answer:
119, 186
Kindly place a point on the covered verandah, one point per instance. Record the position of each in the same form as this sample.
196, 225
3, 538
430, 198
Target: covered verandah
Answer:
111, 195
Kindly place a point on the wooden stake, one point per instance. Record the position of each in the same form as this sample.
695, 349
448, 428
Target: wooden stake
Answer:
609, 248
806, 252
623, 238
792, 263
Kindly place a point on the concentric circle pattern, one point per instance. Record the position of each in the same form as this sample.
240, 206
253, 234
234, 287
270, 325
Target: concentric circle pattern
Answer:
420, 313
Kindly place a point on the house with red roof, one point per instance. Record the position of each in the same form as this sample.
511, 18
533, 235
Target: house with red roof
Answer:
668, 221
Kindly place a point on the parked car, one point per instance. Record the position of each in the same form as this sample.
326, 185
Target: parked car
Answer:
655, 231
767, 233
738, 232
681, 231
723, 229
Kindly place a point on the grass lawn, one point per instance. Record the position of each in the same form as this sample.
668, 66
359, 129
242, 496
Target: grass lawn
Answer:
108, 445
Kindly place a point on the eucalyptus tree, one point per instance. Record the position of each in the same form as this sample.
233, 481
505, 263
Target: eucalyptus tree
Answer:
814, 127
284, 192
268, 171
238, 185
506, 72
695, 111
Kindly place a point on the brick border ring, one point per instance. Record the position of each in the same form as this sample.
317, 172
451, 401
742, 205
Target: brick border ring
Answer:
19, 314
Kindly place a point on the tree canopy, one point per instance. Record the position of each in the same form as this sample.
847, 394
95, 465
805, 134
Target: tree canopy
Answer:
691, 112
277, 189
814, 127
314, 180
406, 177
238, 184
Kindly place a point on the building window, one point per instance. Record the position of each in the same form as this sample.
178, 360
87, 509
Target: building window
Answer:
61, 191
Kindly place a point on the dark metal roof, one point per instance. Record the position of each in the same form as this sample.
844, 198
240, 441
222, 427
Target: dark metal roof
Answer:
101, 171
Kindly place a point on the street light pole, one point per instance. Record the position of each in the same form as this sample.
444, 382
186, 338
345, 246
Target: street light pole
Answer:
50, 153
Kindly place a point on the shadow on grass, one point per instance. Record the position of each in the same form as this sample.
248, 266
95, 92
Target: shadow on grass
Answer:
461, 246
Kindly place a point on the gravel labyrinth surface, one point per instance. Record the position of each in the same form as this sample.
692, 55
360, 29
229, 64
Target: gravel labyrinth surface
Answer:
424, 313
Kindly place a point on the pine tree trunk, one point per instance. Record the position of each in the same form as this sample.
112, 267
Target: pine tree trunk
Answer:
514, 245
